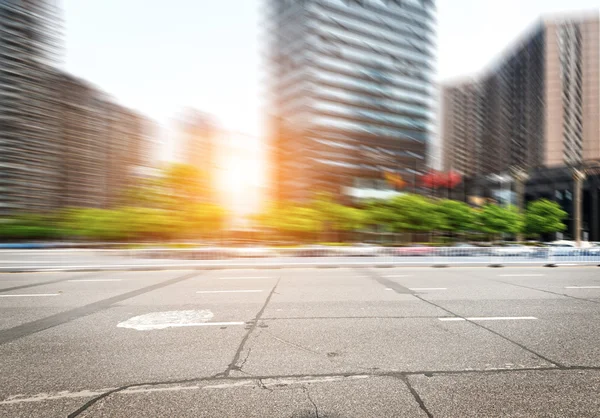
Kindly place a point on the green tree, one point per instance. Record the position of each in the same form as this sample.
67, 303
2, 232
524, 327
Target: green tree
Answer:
543, 217
337, 217
184, 183
494, 219
457, 216
414, 213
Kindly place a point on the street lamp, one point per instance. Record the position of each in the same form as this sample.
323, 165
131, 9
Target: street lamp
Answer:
579, 171
579, 176
520, 176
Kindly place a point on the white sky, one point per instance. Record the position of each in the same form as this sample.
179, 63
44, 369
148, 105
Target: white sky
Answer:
159, 56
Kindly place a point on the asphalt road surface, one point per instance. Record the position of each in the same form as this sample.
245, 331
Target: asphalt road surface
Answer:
401, 342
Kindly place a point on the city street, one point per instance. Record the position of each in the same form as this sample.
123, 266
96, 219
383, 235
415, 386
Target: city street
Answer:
303, 342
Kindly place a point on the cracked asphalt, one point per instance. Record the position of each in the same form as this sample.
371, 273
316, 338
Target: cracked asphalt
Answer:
308, 342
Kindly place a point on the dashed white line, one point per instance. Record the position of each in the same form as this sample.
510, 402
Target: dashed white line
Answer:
428, 288
244, 278
32, 295
489, 318
582, 287
94, 280
229, 291
521, 275
394, 276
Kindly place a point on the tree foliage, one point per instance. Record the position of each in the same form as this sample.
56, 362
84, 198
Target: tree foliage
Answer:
543, 217
494, 219
457, 216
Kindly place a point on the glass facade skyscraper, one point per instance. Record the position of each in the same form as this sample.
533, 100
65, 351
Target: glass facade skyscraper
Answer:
351, 94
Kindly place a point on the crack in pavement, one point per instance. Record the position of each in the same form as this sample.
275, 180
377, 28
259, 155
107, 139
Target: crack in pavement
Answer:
454, 314
60, 318
416, 396
266, 382
27, 286
233, 365
546, 291
305, 389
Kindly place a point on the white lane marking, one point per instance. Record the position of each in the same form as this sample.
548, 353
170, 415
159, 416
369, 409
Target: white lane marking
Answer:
244, 278
32, 295
428, 288
229, 291
273, 382
394, 276
489, 318
521, 275
582, 287
388, 288
94, 280
173, 319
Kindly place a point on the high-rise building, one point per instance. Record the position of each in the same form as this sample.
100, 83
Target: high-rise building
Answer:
29, 123
351, 94
538, 104
462, 126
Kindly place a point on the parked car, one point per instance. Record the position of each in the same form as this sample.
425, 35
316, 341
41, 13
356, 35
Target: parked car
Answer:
562, 249
414, 250
514, 250
313, 251
361, 250
253, 252
464, 249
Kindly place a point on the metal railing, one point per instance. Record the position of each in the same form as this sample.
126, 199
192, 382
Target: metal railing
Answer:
306, 255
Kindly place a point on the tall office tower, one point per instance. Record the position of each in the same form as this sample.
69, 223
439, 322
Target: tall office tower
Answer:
350, 95
539, 102
462, 125
29, 124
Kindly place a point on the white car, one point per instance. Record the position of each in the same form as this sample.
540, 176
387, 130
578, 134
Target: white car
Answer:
361, 250
514, 250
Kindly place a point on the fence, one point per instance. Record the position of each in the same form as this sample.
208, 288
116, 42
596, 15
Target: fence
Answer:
300, 256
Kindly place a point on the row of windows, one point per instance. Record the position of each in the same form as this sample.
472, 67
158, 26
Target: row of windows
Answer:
391, 48
420, 24
379, 63
338, 79
413, 78
366, 51
332, 122
363, 100
381, 31
369, 114
411, 9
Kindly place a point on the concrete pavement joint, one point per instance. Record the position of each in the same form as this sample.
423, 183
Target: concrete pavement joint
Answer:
268, 382
33, 327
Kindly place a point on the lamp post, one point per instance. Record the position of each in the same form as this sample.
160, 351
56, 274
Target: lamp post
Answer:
579, 176
520, 176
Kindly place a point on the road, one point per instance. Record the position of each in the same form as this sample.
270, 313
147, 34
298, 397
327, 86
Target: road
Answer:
305, 342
